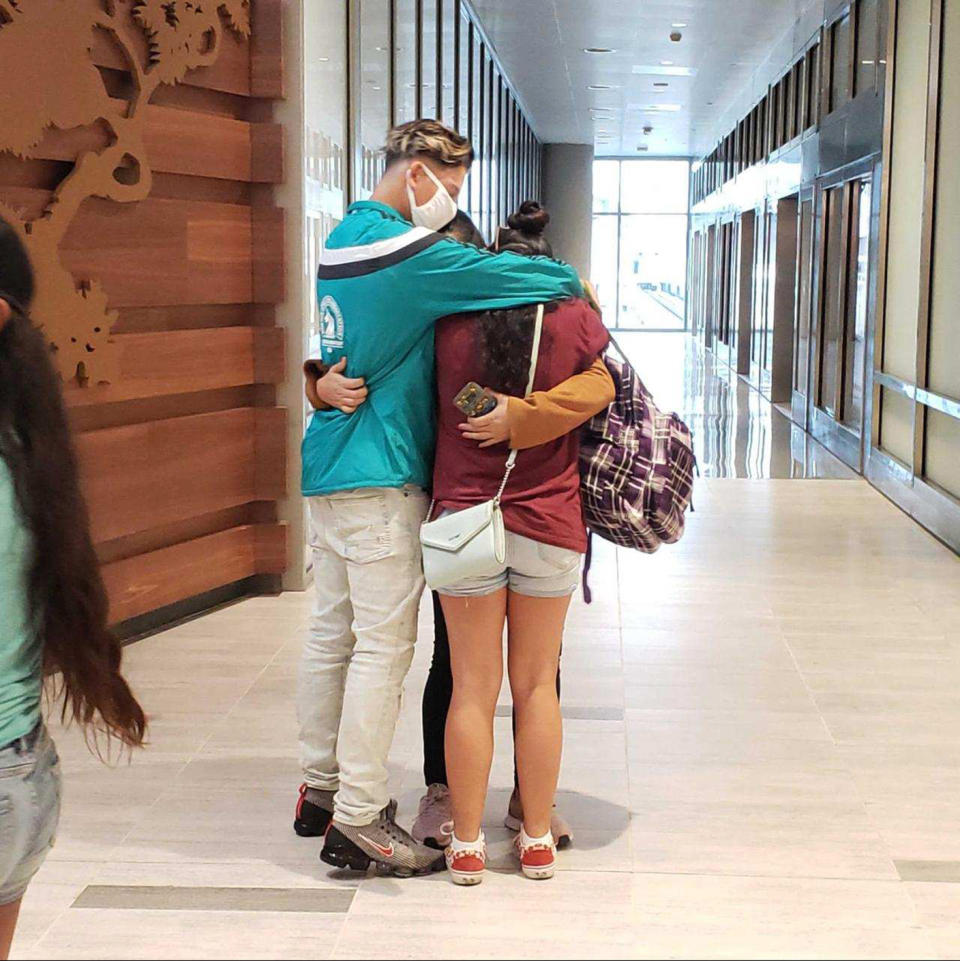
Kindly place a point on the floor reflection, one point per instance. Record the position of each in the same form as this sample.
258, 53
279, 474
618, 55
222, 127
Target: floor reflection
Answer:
737, 432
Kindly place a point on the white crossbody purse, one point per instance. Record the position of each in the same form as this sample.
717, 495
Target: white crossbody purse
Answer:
472, 542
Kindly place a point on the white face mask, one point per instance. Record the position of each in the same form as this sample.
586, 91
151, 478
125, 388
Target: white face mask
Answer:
438, 211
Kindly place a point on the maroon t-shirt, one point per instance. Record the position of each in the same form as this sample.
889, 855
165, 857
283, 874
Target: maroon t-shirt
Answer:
542, 498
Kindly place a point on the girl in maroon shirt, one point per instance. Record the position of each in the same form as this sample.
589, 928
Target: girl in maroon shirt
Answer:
545, 538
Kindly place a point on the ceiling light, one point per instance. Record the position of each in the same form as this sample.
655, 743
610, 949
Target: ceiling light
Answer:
661, 83
643, 147
678, 25
666, 69
322, 59
599, 86
599, 50
657, 107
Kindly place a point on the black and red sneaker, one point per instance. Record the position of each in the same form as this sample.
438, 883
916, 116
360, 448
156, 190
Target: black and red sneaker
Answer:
313, 816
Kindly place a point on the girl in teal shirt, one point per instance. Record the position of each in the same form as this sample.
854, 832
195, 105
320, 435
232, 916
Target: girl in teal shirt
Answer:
53, 607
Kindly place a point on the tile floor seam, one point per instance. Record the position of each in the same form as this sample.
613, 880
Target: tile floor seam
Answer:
875, 828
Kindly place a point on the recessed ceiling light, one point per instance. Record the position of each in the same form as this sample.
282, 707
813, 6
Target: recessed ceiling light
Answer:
599, 50
657, 108
599, 86
323, 59
666, 69
678, 25
661, 83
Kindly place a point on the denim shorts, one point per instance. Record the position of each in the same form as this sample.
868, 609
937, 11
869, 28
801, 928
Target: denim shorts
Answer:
530, 568
29, 809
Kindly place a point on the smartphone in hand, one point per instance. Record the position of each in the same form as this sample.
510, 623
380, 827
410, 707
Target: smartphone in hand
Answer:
475, 401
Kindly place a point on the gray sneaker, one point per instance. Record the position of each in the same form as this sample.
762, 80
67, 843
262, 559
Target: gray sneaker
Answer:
382, 842
434, 822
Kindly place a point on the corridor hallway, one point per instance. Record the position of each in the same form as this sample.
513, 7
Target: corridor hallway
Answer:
761, 750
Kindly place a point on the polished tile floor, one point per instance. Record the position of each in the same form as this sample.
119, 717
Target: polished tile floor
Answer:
736, 431
761, 760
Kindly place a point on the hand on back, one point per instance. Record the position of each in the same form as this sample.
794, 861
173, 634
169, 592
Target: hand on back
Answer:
335, 391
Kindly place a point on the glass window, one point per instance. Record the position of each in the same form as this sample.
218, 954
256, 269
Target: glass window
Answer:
429, 86
603, 260
476, 133
606, 186
653, 270
325, 132
463, 117
405, 61
856, 332
448, 54
791, 121
489, 132
640, 241
840, 64
653, 187
831, 321
813, 83
374, 93
868, 44
805, 256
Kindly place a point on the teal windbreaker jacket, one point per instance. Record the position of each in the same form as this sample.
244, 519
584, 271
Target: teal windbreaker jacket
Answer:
381, 286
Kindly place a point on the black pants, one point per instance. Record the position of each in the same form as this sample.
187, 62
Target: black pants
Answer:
436, 702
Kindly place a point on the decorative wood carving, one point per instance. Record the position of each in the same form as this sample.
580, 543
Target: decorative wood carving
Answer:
160, 40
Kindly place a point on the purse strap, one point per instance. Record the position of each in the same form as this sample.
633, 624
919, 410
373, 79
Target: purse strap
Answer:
534, 355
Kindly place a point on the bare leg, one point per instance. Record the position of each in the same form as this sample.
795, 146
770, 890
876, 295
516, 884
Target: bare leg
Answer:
535, 634
475, 625
8, 924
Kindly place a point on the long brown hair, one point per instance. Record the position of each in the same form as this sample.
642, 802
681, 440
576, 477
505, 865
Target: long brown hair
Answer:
65, 593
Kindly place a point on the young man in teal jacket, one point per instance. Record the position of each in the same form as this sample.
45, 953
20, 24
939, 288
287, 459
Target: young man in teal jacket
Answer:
385, 277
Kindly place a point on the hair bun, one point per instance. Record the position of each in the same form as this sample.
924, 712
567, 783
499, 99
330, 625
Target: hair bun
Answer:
531, 218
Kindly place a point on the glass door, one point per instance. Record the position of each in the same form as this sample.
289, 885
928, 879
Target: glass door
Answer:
840, 348
801, 349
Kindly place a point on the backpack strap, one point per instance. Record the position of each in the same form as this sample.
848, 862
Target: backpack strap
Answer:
587, 593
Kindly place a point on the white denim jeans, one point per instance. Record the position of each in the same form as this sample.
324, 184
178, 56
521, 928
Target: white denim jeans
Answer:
369, 577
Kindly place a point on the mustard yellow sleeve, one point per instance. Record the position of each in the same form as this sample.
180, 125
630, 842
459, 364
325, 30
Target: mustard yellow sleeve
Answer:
548, 414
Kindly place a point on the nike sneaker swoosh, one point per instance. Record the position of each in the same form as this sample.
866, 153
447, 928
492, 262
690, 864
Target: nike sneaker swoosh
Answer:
386, 852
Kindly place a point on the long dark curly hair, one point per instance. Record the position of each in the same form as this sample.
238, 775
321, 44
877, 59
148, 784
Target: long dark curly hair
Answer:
506, 336
66, 598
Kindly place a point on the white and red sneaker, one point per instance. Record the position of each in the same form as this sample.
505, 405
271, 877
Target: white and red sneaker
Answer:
538, 856
466, 860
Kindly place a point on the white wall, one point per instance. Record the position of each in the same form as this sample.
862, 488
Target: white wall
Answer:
568, 196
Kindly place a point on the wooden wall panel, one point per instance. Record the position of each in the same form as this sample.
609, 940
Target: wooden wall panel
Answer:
154, 580
188, 361
183, 142
180, 442
157, 473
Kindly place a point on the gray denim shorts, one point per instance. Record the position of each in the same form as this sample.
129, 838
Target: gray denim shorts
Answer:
530, 568
29, 809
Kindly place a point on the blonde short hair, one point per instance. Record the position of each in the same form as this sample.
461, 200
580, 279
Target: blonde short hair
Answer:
428, 138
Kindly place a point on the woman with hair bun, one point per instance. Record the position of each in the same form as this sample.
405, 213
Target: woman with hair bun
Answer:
545, 541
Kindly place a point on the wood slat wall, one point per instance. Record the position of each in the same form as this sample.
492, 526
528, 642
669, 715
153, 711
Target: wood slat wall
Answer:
183, 456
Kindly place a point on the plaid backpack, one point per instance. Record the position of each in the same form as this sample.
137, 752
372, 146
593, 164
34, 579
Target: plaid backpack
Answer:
636, 468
